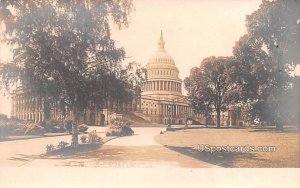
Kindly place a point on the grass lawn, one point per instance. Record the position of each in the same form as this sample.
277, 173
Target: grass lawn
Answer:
286, 154
19, 137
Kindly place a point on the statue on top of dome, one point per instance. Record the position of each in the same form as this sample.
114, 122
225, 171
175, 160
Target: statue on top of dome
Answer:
161, 43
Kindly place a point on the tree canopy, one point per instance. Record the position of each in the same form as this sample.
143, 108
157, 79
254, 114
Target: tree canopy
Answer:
209, 86
275, 26
63, 49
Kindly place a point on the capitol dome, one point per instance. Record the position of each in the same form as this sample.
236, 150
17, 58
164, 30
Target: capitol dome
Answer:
163, 75
161, 60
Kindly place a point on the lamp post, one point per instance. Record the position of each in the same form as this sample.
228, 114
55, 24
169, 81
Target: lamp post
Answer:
185, 112
169, 112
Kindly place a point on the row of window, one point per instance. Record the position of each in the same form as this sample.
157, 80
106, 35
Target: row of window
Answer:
163, 60
162, 85
146, 104
162, 72
31, 117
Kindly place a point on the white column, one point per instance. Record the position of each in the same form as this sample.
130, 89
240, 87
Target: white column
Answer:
152, 85
166, 110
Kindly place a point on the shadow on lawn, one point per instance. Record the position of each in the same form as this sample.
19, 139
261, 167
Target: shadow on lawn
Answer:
289, 129
66, 153
16, 138
81, 152
223, 159
69, 151
274, 130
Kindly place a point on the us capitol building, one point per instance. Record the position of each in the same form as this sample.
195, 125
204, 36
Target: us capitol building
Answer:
161, 100
162, 94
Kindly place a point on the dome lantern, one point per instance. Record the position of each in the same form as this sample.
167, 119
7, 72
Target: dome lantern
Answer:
161, 43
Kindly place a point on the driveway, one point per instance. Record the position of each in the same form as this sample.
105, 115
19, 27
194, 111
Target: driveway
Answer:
21, 152
143, 136
139, 150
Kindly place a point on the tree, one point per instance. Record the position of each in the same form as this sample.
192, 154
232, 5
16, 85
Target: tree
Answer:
199, 95
127, 86
137, 76
210, 84
251, 73
276, 26
3, 117
63, 48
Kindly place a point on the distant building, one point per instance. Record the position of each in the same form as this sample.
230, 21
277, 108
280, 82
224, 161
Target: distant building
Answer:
27, 107
297, 91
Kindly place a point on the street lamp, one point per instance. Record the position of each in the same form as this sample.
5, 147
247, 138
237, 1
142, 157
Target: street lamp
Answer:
185, 117
169, 112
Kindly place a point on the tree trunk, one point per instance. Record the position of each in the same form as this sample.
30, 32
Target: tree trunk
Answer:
218, 118
75, 128
279, 125
46, 109
206, 120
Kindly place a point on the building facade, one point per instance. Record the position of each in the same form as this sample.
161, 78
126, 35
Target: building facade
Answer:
27, 107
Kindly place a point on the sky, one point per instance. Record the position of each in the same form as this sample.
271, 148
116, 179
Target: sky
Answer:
193, 30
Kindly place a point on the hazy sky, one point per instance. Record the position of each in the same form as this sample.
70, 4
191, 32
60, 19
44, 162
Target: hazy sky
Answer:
193, 30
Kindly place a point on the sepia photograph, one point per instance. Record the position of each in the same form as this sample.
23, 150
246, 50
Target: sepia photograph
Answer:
149, 93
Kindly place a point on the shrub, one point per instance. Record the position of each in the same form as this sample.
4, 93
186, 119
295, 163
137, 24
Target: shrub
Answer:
119, 127
53, 126
27, 128
3, 117
32, 129
68, 125
94, 138
126, 131
83, 128
110, 132
83, 139
7, 127
118, 123
62, 144
50, 148
18, 131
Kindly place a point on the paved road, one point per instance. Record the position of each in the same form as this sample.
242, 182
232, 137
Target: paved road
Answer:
139, 150
21, 152
143, 136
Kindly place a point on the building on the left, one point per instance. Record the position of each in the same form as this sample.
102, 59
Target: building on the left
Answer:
28, 107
